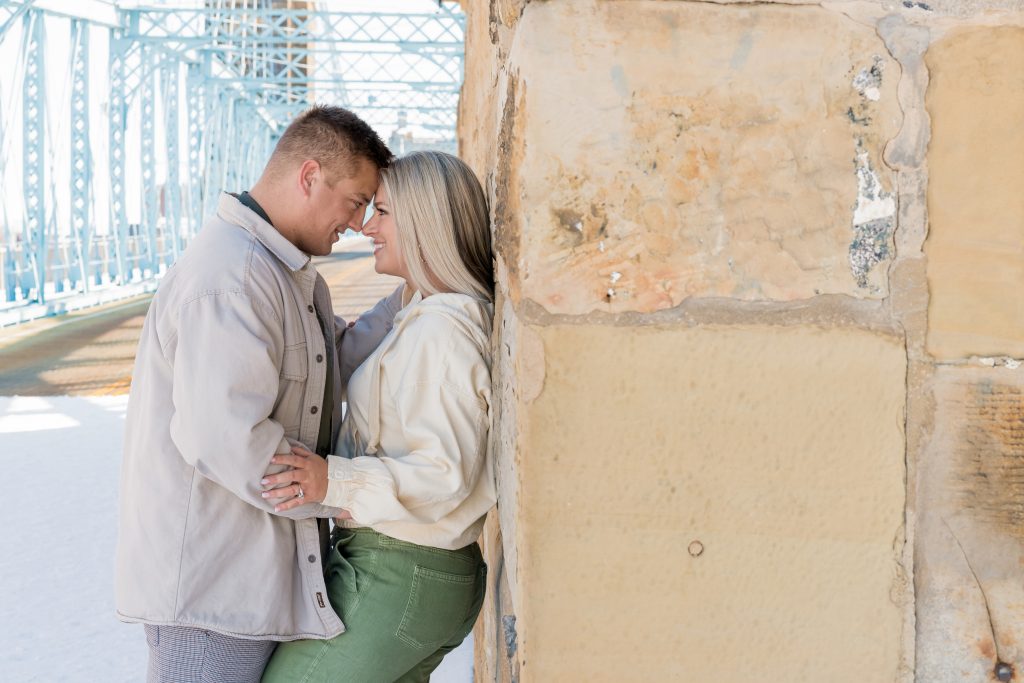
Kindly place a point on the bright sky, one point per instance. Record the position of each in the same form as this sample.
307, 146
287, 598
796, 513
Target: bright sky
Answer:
95, 9
411, 6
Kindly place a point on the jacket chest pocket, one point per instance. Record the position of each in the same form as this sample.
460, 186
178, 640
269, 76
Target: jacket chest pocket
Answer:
294, 365
292, 388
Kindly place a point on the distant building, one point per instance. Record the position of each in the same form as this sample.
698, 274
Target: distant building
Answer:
410, 138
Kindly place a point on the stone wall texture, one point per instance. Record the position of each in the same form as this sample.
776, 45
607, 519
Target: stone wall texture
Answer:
976, 237
760, 405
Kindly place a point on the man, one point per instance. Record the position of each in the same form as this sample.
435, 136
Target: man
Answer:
239, 354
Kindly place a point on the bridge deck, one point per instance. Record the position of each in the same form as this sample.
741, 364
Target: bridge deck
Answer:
91, 353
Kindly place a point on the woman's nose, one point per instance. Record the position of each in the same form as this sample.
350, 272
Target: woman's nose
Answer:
358, 221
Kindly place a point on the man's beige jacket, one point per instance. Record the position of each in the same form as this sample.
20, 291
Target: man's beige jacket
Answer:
231, 365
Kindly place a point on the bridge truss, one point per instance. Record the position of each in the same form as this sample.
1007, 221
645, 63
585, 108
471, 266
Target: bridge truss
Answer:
122, 160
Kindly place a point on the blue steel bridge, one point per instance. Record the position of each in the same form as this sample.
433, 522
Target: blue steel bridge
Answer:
120, 122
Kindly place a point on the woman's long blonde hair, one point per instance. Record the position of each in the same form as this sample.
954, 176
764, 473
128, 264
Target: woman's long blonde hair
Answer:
441, 214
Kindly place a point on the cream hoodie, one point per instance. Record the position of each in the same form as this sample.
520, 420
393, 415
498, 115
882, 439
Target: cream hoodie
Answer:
413, 460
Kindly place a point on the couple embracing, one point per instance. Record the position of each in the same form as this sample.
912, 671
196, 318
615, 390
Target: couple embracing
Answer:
236, 453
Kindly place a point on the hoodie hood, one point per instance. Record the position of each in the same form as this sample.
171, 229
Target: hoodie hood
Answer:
473, 316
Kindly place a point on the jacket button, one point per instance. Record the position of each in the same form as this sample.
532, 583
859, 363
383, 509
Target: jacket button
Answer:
310, 308
313, 410
319, 358
311, 558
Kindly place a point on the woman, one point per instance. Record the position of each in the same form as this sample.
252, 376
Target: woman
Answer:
412, 476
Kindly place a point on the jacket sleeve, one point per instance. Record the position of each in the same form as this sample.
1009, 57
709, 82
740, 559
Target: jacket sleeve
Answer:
355, 343
226, 379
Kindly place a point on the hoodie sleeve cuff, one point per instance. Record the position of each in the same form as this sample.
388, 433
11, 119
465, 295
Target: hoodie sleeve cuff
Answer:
326, 512
339, 482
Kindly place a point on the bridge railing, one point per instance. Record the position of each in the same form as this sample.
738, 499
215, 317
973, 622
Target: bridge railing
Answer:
73, 267
120, 126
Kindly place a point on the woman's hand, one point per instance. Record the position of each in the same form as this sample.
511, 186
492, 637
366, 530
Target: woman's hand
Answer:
305, 481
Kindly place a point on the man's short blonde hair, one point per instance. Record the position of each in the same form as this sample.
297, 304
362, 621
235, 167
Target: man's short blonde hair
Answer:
332, 136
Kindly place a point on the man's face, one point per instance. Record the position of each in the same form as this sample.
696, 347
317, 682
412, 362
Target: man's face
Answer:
332, 210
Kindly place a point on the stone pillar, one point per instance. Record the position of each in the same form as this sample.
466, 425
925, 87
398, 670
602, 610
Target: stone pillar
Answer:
726, 400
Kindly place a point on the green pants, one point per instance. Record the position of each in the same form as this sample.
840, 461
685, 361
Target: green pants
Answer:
405, 606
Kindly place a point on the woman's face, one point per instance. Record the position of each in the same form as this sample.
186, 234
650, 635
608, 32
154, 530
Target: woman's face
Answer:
387, 253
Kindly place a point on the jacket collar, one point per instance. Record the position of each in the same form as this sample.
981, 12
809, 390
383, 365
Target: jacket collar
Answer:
236, 213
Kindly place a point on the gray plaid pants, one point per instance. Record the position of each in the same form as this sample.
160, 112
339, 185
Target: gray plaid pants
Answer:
179, 654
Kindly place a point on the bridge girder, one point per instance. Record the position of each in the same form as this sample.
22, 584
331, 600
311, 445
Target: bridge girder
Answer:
215, 87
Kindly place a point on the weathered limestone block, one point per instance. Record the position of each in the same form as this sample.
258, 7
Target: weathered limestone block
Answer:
516, 360
718, 503
970, 538
975, 244
672, 150
494, 636
922, 9
478, 105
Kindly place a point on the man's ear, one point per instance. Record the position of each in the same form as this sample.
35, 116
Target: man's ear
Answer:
309, 174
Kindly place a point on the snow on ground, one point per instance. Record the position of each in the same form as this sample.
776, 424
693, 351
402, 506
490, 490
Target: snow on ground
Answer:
61, 467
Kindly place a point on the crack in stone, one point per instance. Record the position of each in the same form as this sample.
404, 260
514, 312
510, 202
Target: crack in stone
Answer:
984, 597
824, 309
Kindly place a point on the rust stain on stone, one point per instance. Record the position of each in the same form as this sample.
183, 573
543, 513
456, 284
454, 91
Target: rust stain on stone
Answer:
510, 152
990, 457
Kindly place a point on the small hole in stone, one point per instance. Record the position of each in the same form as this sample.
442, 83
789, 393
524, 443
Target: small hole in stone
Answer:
696, 548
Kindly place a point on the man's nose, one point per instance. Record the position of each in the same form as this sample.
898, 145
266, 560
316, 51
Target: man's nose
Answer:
358, 220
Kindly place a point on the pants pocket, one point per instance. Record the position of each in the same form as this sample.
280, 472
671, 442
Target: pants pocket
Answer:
346, 570
438, 604
349, 573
